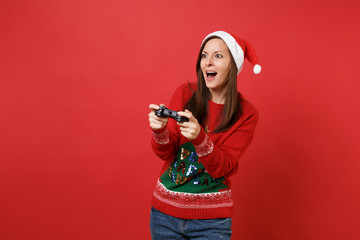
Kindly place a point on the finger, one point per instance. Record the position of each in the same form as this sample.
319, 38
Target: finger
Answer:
184, 130
153, 116
189, 128
161, 119
154, 107
156, 126
187, 114
191, 123
182, 124
185, 134
158, 120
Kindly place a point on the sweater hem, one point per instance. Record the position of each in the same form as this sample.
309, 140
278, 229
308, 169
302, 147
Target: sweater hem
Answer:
187, 213
192, 205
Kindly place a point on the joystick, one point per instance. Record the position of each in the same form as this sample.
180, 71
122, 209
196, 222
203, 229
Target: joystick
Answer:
165, 112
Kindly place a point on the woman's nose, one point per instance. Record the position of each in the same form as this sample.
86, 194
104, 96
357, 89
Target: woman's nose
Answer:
209, 61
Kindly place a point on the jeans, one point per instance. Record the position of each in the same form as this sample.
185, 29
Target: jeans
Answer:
165, 227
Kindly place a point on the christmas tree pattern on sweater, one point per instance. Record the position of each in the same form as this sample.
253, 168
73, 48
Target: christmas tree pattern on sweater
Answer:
186, 184
187, 174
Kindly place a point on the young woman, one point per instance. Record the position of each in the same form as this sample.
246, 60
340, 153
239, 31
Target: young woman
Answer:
192, 198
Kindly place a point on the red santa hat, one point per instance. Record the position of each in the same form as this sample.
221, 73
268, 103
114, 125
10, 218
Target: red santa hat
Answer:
239, 49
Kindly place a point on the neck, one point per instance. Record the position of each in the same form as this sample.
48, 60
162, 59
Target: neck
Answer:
217, 97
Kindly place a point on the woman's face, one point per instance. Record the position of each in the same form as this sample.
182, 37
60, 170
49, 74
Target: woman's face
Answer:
215, 64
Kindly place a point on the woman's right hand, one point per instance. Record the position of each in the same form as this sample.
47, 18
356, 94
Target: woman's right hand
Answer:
156, 122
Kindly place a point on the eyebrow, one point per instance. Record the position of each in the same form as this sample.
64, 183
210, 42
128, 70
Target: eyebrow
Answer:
214, 52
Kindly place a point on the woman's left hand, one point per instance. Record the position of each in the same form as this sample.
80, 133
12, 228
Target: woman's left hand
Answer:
190, 129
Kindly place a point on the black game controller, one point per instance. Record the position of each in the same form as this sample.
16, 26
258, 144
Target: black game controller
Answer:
165, 112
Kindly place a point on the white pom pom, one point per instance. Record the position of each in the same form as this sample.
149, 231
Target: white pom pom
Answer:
257, 69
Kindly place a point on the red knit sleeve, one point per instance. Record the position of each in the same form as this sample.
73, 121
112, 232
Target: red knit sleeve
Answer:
165, 142
222, 160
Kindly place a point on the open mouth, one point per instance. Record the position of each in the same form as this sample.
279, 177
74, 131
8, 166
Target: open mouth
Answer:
211, 74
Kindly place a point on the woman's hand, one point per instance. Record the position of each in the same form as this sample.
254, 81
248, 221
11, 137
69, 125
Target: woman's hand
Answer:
190, 129
156, 122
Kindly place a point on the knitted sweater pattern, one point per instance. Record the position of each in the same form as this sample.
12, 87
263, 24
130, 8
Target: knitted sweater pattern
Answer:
194, 181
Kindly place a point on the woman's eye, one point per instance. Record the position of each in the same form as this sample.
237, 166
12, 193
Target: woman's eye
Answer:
218, 55
203, 55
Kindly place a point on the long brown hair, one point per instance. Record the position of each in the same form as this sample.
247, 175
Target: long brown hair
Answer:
198, 103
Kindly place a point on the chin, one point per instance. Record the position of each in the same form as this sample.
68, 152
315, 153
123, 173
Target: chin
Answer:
211, 84
211, 87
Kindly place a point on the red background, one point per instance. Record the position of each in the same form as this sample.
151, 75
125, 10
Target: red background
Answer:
76, 81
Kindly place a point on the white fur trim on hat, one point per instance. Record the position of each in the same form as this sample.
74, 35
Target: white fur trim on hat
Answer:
257, 69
